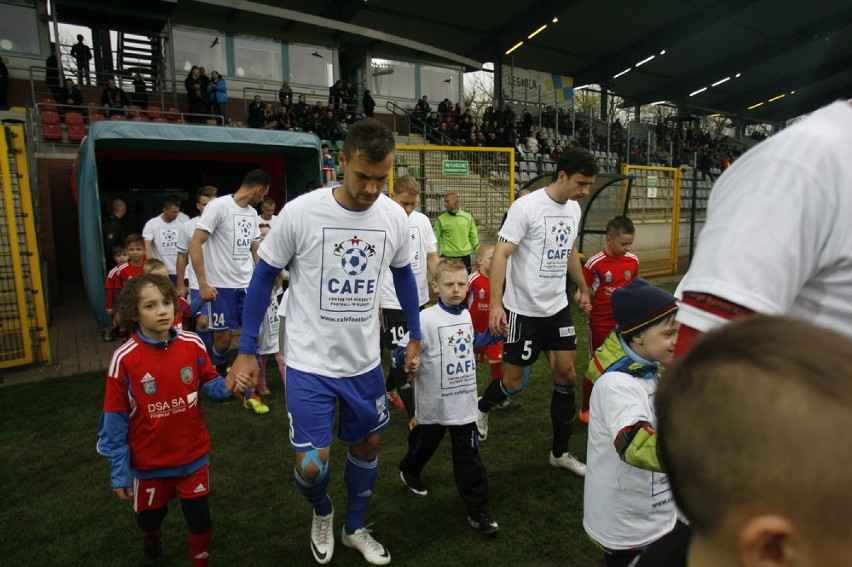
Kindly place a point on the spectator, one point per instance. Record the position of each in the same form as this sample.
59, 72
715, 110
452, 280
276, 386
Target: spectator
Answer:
113, 97
51, 74
217, 92
335, 94
368, 103
285, 94
82, 55
329, 169
300, 109
140, 91
256, 113
455, 231
71, 96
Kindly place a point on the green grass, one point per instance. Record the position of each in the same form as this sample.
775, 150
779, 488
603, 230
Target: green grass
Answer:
56, 507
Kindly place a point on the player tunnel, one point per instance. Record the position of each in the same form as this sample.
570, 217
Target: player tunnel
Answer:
143, 163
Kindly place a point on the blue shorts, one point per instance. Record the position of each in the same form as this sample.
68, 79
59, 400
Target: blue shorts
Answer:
226, 311
311, 400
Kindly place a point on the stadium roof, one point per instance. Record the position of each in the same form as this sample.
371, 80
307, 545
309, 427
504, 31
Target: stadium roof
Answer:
744, 52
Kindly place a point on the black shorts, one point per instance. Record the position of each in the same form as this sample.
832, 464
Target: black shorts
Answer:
393, 327
528, 336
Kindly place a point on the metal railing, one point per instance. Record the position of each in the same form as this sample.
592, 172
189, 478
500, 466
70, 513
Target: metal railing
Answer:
431, 134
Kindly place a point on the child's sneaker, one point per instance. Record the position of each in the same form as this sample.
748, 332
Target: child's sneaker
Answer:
395, 400
568, 461
374, 552
255, 403
508, 404
322, 537
153, 554
484, 524
110, 334
482, 424
413, 483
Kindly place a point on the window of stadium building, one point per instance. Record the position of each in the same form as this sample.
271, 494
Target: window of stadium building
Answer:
439, 83
257, 58
18, 30
393, 78
196, 48
310, 65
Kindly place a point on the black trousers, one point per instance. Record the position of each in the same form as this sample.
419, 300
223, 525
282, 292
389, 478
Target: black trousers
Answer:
468, 469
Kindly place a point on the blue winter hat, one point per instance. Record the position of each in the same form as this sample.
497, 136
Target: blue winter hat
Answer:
639, 305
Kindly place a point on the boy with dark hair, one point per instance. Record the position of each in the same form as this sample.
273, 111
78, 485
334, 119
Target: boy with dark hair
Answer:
611, 268
446, 394
627, 503
152, 429
763, 474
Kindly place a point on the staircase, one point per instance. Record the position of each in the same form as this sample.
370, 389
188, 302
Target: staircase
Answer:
143, 55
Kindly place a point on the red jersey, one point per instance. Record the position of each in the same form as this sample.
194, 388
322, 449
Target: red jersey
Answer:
605, 274
157, 384
122, 273
479, 300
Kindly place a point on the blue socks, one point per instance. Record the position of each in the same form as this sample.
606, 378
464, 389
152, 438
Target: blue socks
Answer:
360, 478
316, 493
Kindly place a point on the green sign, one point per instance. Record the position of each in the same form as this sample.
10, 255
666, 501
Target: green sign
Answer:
653, 183
454, 167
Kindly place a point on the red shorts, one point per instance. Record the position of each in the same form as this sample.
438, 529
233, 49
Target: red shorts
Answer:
491, 352
597, 336
153, 493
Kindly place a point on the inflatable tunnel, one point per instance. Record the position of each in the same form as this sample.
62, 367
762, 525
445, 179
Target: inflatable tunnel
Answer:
143, 162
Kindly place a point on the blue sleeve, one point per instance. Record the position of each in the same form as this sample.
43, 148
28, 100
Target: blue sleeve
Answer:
195, 307
112, 444
215, 390
485, 339
257, 302
409, 299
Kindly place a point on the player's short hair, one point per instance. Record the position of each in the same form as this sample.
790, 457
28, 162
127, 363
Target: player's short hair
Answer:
483, 248
128, 300
620, 225
577, 160
153, 264
756, 418
369, 137
256, 177
267, 201
406, 184
117, 250
206, 191
448, 265
171, 201
134, 238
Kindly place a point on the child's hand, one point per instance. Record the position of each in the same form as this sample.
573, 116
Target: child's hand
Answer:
242, 383
124, 493
109, 311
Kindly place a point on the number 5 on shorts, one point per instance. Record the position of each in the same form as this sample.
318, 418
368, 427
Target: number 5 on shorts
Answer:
527, 353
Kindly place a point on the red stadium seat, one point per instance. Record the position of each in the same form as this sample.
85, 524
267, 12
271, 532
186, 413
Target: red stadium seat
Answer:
47, 104
52, 132
49, 117
154, 111
96, 117
118, 117
139, 119
73, 118
135, 110
159, 119
94, 108
76, 132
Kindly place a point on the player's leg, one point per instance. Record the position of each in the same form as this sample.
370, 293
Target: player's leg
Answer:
151, 504
394, 329
560, 348
311, 413
471, 479
194, 490
363, 412
202, 321
423, 441
222, 314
